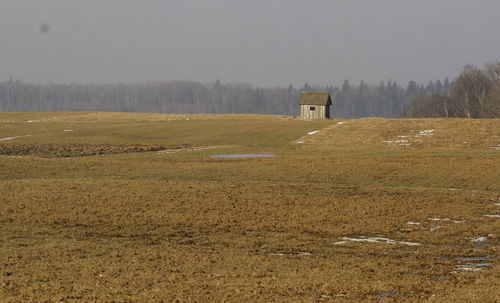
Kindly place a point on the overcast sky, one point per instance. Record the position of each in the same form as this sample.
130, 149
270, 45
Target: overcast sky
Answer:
264, 42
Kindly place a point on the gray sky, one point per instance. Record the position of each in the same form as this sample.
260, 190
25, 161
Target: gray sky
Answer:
264, 42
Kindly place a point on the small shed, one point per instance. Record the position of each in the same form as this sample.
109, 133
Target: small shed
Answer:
315, 105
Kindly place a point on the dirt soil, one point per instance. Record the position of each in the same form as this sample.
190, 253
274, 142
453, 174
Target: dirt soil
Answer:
77, 150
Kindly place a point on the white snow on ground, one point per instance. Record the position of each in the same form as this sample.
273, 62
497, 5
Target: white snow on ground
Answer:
300, 142
446, 220
424, 133
471, 267
374, 240
413, 223
333, 295
12, 138
492, 216
435, 227
340, 242
478, 240
8, 138
340, 123
300, 253
496, 204
313, 132
67, 130
32, 121
403, 140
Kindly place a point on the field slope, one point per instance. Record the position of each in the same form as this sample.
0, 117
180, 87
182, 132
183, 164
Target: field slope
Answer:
111, 207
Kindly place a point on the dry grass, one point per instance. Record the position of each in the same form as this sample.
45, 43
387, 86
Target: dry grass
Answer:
148, 227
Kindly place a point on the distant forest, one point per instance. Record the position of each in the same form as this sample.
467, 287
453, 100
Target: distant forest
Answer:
475, 94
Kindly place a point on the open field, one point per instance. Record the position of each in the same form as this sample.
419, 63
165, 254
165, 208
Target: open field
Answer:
108, 207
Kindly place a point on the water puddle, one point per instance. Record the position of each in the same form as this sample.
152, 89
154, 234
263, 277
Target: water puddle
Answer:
263, 155
470, 259
481, 242
386, 294
471, 267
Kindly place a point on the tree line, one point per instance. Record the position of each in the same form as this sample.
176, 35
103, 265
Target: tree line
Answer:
349, 101
475, 93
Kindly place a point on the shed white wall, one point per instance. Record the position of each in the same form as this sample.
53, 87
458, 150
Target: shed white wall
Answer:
319, 113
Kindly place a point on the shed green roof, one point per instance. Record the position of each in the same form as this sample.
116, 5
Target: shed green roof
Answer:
315, 98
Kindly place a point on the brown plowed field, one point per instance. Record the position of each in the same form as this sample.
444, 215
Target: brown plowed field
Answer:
346, 214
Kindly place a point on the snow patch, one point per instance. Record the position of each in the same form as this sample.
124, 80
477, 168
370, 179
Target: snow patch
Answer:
339, 243
300, 142
445, 220
8, 138
478, 240
374, 240
425, 133
12, 138
435, 227
472, 267
413, 223
492, 216
340, 123
333, 295
313, 132
465, 268
300, 253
